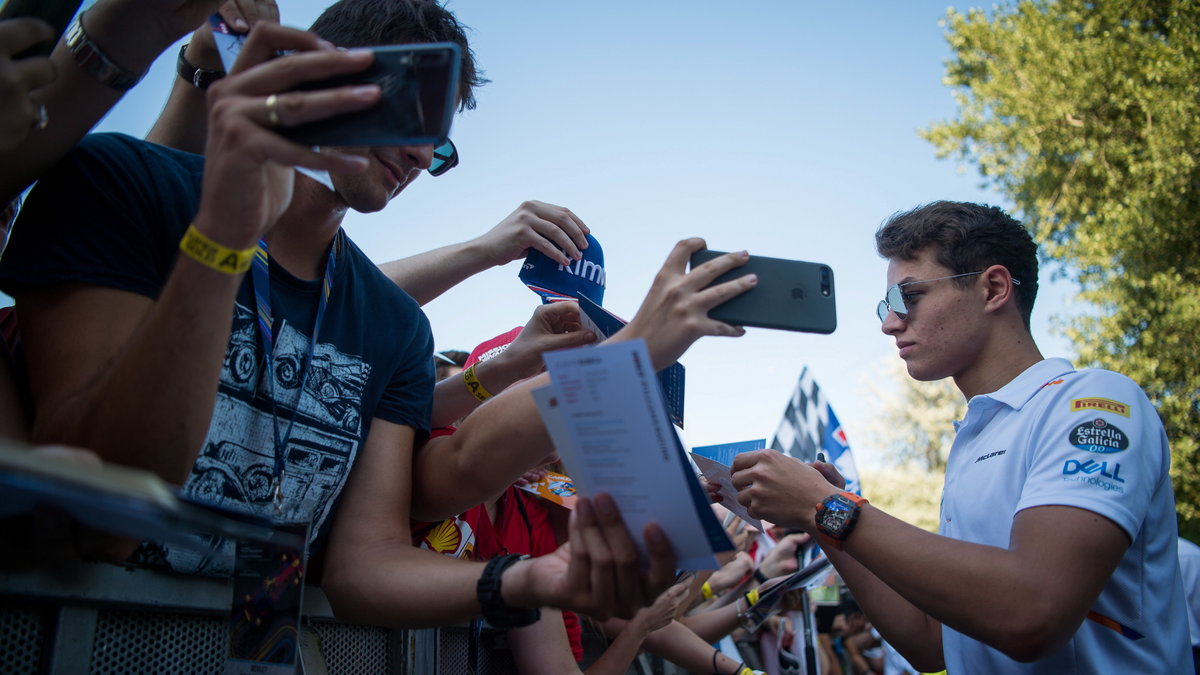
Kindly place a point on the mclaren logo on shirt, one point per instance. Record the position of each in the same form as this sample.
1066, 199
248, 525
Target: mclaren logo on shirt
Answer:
1099, 436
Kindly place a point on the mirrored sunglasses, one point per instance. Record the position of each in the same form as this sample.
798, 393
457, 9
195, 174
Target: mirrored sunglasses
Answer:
445, 157
893, 300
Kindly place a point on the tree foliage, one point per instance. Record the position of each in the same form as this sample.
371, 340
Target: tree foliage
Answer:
913, 424
1086, 115
906, 492
913, 421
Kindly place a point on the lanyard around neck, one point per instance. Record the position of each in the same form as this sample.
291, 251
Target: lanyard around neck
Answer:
261, 283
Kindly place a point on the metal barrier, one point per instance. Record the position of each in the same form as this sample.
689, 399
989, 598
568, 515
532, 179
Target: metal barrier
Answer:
100, 618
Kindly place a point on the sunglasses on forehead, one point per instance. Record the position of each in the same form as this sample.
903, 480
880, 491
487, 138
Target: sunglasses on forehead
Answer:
445, 157
893, 300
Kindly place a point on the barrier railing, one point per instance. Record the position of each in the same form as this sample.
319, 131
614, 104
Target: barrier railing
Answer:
100, 618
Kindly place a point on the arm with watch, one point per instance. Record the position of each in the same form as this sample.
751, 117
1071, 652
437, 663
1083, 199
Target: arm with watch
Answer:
903, 623
552, 327
1024, 600
183, 123
373, 573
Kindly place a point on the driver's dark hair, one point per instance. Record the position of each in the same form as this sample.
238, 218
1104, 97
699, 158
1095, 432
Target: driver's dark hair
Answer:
965, 238
372, 23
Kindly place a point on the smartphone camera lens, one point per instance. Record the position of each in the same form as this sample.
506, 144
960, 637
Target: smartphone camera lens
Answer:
826, 282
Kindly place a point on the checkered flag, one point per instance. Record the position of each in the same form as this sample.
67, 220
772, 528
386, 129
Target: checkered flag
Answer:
809, 426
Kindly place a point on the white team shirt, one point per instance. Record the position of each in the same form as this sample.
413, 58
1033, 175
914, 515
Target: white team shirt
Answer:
1189, 567
1088, 439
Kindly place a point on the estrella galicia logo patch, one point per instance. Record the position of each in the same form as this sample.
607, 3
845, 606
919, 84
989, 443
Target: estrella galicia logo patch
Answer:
1099, 436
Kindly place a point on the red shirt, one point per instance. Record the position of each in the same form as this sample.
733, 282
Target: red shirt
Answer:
522, 526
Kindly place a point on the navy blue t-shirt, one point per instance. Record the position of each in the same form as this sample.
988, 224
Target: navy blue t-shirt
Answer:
112, 213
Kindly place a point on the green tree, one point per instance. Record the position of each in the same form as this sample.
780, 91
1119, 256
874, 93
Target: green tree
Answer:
1086, 115
906, 492
913, 420
913, 425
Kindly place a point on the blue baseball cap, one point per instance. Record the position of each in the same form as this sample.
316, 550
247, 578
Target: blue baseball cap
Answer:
555, 282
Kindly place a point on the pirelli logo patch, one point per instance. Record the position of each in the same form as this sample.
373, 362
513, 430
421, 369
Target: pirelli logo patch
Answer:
1099, 404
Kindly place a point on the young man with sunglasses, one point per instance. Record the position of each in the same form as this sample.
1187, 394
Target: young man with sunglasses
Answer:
298, 391
1056, 544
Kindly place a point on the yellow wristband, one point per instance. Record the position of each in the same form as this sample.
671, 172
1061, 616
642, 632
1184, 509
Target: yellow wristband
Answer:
706, 591
213, 255
474, 385
745, 671
752, 597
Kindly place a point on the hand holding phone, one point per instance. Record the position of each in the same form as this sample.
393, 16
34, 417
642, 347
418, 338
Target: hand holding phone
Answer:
790, 295
419, 85
248, 170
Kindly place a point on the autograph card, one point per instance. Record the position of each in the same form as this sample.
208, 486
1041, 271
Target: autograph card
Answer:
606, 416
718, 473
229, 40
725, 452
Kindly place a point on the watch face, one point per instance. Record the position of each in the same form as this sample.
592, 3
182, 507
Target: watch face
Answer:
835, 520
837, 512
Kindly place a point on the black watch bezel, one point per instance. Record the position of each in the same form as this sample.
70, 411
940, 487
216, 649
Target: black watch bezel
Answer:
495, 611
199, 77
836, 516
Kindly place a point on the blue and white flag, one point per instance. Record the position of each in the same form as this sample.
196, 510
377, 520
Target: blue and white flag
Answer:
809, 426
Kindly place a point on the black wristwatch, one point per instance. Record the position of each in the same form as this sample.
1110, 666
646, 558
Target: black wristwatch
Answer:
836, 517
495, 611
199, 77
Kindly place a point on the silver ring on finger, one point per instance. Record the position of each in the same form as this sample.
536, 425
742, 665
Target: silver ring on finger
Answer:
273, 109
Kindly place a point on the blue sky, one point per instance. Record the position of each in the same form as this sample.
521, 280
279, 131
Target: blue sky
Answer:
786, 128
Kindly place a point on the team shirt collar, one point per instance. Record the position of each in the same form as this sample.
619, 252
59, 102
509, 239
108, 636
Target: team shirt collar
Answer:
1017, 393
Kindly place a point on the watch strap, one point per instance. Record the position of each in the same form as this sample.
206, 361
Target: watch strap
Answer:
829, 542
199, 77
93, 61
495, 610
857, 499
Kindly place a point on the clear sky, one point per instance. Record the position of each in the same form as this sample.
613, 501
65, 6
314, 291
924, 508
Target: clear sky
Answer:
787, 128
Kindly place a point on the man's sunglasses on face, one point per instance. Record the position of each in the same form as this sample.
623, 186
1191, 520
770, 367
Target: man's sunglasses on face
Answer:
893, 301
445, 157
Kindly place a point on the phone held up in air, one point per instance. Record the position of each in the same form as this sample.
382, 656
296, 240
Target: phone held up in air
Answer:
790, 295
57, 13
419, 84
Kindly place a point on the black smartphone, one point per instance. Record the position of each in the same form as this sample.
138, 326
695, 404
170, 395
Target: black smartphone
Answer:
57, 13
791, 295
420, 90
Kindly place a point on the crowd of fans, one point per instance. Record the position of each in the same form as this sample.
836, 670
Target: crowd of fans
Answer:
188, 304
